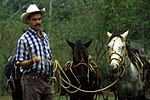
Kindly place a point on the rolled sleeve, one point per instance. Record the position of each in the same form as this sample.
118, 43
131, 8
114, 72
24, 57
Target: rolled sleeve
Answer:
21, 51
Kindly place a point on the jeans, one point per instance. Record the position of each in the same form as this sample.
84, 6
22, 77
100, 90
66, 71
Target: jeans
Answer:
36, 87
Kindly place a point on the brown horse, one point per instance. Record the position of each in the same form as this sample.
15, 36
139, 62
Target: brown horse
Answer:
82, 76
13, 74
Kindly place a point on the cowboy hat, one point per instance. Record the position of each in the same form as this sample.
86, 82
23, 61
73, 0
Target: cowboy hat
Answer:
32, 8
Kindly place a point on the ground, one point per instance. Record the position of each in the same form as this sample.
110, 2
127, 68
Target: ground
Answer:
56, 97
5, 98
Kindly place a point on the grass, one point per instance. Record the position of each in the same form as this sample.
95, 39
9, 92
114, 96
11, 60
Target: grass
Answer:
5, 98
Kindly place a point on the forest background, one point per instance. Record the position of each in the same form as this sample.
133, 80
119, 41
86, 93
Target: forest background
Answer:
76, 20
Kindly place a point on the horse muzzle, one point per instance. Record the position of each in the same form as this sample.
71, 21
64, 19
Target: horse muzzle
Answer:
114, 68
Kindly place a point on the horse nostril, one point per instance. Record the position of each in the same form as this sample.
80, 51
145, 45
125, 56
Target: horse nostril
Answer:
109, 67
115, 68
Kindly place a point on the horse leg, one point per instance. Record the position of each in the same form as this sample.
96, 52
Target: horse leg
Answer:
67, 97
60, 97
74, 97
87, 96
142, 97
17, 94
121, 97
116, 95
105, 95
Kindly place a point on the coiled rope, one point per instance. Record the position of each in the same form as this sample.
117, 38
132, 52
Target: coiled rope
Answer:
58, 68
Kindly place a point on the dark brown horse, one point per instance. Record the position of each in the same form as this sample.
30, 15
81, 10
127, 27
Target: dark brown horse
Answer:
13, 74
82, 75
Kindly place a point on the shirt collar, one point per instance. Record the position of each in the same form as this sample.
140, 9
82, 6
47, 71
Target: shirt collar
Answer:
34, 32
30, 29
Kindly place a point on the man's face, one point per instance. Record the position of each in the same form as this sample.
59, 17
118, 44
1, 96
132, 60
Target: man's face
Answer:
35, 21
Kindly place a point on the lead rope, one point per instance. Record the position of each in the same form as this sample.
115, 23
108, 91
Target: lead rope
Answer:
71, 63
78, 88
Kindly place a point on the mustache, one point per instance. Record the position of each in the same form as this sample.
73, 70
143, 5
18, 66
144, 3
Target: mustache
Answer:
38, 25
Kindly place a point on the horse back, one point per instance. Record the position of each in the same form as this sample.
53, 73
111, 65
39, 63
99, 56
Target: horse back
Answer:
13, 74
9, 67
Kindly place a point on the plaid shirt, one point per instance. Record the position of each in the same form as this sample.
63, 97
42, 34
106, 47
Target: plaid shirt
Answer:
30, 45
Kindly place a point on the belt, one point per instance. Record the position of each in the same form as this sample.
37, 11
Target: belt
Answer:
45, 78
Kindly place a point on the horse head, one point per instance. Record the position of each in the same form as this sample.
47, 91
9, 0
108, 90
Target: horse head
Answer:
125, 64
80, 58
116, 51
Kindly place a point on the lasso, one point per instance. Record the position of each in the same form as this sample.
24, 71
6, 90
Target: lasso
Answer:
68, 82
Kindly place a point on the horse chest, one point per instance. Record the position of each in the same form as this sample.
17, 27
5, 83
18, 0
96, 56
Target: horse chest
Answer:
129, 86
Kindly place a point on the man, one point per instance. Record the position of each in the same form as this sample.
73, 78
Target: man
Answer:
34, 56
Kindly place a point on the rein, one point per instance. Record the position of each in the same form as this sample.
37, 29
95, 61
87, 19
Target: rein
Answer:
121, 63
57, 65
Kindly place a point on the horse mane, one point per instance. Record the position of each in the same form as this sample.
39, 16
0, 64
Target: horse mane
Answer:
115, 35
135, 57
80, 51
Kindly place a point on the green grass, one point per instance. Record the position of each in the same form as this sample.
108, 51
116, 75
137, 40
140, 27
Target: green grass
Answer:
5, 98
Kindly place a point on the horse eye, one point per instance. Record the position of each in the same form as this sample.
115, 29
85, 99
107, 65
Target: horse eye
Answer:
123, 47
108, 47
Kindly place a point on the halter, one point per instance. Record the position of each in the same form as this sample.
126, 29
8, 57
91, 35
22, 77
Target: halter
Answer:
120, 61
59, 69
82, 62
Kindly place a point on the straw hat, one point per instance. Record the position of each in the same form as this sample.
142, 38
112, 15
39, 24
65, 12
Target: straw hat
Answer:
32, 8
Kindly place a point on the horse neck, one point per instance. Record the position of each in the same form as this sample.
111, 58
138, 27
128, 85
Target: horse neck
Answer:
131, 71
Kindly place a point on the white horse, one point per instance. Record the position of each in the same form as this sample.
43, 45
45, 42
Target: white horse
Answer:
130, 85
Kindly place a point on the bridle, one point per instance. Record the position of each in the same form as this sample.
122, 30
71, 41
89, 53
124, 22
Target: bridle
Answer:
121, 64
62, 80
82, 63
120, 61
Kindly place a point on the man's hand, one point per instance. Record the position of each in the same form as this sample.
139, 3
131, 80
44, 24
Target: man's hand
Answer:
27, 63
36, 59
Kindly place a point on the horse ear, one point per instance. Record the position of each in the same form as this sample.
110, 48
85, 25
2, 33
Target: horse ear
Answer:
109, 34
71, 44
125, 34
88, 43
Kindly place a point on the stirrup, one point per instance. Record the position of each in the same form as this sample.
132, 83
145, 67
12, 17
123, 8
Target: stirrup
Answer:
9, 83
147, 94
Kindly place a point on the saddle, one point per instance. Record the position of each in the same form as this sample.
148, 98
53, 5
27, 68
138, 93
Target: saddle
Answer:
139, 58
136, 53
12, 72
137, 48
